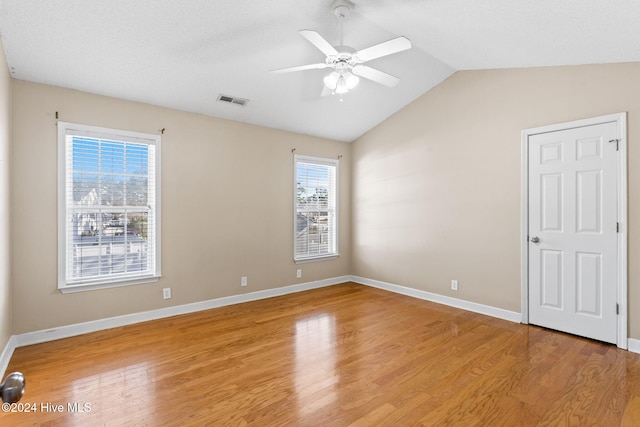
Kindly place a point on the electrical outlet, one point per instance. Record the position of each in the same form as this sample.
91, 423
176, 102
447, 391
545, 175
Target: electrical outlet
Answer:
299, 273
454, 285
166, 293
243, 281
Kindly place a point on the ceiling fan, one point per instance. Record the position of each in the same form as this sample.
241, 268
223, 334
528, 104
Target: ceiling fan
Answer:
346, 62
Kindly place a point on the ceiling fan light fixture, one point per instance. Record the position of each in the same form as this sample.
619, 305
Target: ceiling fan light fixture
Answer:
341, 87
351, 80
331, 80
342, 82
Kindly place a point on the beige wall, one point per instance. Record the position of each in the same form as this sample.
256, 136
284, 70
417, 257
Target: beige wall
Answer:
434, 196
5, 135
227, 192
436, 187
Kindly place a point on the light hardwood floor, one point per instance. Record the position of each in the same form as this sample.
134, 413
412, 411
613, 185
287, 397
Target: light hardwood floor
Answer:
336, 356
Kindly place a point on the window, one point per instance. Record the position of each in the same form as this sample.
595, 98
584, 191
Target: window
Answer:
315, 224
109, 207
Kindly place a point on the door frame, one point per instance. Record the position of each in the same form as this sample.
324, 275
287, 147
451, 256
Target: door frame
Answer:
620, 119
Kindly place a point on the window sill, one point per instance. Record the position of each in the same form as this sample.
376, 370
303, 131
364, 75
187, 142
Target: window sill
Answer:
68, 289
316, 258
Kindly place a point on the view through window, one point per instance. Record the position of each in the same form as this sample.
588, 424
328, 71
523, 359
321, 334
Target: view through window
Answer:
315, 208
109, 205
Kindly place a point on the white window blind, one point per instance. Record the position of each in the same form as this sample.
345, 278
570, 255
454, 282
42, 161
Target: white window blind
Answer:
109, 207
315, 223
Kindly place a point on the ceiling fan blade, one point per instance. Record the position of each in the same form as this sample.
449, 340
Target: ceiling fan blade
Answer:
375, 75
383, 49
319, 42
317, 66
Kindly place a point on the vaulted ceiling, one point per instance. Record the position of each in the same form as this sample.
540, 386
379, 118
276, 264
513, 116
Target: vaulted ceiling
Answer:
183, 55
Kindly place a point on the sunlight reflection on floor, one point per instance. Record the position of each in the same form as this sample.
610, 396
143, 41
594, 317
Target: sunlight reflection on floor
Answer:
315, 375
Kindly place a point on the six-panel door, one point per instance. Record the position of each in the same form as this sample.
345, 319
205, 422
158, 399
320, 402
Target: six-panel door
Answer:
573, 213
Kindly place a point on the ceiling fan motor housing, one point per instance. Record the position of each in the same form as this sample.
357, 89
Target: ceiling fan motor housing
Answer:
344, 60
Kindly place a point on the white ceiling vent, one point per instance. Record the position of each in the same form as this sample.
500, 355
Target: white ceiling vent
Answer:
233, 100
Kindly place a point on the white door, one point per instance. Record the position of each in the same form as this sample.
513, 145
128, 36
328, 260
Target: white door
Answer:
572, 230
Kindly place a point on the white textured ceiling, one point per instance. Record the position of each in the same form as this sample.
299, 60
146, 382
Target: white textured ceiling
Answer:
183, 54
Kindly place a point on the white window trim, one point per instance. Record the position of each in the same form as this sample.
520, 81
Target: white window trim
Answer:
322, 161
101, 132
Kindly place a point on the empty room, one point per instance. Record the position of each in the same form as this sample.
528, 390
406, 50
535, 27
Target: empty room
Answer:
319, 213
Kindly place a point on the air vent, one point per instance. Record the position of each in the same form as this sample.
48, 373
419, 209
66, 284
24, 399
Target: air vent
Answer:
233, 100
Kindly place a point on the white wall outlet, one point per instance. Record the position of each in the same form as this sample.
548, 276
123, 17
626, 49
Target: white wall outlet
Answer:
243, 281
454, 285
299, 273
166, 293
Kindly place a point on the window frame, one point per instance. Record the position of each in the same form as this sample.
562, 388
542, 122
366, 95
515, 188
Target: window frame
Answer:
153, 273
321, 161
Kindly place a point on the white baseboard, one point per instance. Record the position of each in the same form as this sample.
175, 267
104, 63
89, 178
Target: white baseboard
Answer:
113, 322
500, 313
5, 356
128, 319
633, 345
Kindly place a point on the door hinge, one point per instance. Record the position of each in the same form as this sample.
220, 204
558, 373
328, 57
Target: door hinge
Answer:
617, 227
617, 141
617, 308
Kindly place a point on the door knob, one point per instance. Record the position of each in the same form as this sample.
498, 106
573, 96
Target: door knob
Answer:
12, 389
535, 239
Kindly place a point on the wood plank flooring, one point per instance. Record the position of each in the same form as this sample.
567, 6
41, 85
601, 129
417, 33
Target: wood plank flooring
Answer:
345, 355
